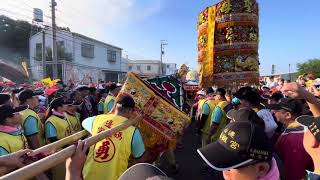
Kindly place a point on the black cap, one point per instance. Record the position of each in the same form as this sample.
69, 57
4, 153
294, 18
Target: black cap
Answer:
246, 114
240, 144
293, 106
220, 91
312, 123
102, 91
276, 96
111, 86
142, 171
4, 98
7, 110
57, 102
125, 100
248, 94
209, 90
27, 94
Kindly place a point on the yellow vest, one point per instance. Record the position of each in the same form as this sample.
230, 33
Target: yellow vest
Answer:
106, 102
13, 143
63, 126
200, 104
207, 125
74, 121
223, 123
108, 159
27, 113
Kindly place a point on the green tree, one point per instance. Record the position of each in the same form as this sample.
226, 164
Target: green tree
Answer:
310, 66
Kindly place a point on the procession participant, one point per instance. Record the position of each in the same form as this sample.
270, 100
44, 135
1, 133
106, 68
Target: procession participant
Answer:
108, 159
85, 109
72, 115
12, 138
200, 98
57, 126
218, 118
243, 152
289, 145
92, 98
205, 118
11, 135
103, 95
249, 98
31, 123
114, 89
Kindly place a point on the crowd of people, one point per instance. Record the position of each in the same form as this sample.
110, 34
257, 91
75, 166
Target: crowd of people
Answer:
268, 132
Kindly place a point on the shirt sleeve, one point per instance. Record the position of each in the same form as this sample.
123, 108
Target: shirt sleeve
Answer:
217, 115
30, 126
50, 130
205, 109
100, 107
137, 145
3, 151
110, 105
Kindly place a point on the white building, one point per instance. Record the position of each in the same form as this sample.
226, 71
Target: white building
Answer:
79, 57
150, 68
171, 68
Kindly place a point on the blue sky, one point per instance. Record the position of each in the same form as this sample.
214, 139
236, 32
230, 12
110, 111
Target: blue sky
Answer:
289, 31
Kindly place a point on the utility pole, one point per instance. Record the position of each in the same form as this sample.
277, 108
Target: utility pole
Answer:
163, 43
273, 69
290, 72
44, 64
54, 44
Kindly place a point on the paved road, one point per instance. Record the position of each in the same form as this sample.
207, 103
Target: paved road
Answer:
189, 161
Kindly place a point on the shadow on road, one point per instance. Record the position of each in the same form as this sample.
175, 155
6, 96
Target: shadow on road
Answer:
190, 163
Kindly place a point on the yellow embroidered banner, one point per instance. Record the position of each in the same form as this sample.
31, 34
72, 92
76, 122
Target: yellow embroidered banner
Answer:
162, 120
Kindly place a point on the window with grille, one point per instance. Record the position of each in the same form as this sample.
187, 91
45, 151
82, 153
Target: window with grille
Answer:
87, 50
112, 56
38, 55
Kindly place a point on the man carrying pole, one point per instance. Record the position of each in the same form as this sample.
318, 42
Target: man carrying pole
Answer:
108, 158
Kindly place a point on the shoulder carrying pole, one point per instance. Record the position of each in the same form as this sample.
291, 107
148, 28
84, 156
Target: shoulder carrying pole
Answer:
48, 162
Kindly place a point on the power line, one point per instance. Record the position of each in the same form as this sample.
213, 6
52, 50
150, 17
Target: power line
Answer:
66, 37
26, 4
45, 15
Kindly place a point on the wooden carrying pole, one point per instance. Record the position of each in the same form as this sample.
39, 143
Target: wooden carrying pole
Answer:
48, 162
60, 144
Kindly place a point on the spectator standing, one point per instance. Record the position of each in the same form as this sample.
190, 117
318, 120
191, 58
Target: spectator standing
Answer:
289, 145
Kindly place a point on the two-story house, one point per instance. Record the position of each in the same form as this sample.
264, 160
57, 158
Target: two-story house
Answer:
79, 57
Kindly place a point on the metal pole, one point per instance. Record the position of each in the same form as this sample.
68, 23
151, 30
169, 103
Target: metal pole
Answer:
290, 72
54, 44
44, 74
161, 49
